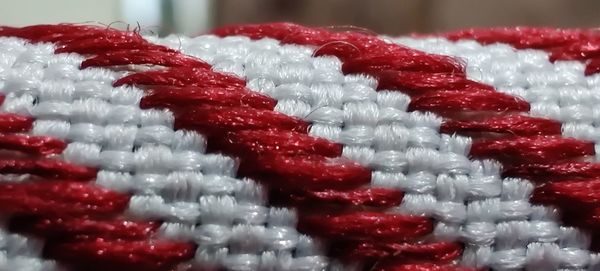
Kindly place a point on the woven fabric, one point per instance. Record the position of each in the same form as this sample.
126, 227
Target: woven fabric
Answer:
283, 147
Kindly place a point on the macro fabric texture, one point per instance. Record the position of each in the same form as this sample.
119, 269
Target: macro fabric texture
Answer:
283, 147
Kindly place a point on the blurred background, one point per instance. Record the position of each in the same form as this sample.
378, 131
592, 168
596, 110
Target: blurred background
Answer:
382, 16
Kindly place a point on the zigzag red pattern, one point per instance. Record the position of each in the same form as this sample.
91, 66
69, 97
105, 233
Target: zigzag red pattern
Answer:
87, 219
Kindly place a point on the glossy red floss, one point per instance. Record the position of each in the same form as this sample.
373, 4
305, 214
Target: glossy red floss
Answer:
250, 143
592, 67
60, 198
47, 168
522, 37
448, 103
143, 57
569, 193
512, 124
377, 197
37, 33
532, 149
178, 97
95, 45
554, 171
578, 200
85, 33
181, 77
14, 123
61, 228
36, 145
277, 31
217, 120
401, 252
416, 83
365, 226
121, 255
402, 62
419, 267
580, 50
307, 171
347, 46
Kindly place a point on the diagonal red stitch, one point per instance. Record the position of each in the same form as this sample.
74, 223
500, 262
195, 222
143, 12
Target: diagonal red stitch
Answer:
60, 198
306, 171
249, 143
503, 125
545, 172
447, 103
331, 198
177, 97
401, 252
13, 123
532, 149
47, 168
121, 255
419, 82
181, 77
217, 120
37, 145
367, 226
419, 267
140, 57
60, 228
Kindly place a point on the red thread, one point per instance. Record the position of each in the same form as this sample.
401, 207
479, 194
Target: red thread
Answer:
177, 97
149, 57
181, 77
85, 228
367, 226
360, 197
285, 32
416, 83
47, 168
121, 255
507, 125
350, 45
341, 49
307, 171
59, 198
402, 61
570, 194
215, 120
452, 102
442, 252
107, 43
576, 51
248, 143
81, 33
534, 149
13, 123
578, 199
592, 67
554, 171
41, 145
419, 267
522, 37
47, 32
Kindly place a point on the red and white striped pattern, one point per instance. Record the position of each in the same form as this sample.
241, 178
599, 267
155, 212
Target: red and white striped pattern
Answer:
377, 147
